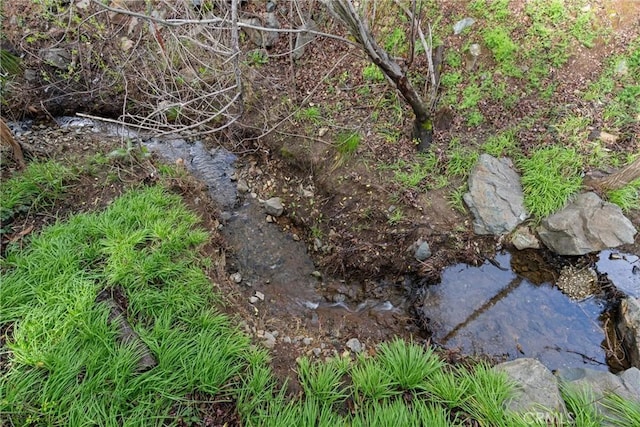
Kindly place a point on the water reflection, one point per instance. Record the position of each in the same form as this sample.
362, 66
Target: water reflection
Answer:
622, 269
493, 310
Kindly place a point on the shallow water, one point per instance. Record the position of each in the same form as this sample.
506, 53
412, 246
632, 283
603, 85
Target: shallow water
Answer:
622, 269
492, 310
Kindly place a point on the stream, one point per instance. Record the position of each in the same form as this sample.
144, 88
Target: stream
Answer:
499, 309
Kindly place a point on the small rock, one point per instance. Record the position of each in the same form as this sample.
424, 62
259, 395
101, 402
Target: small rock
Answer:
242, 186
322, 132
260, 295
354, 345
253, 300
317, 351
523, 238
287, 339
270, 218
317, 274
269, 336
622, 68
423, 251
274, 206
607, 137
236, 277
295, 237
306, 341
269, 340
459, 26
57, 57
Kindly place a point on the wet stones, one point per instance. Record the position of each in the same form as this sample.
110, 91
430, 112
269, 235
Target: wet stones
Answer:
495, 196
588, 224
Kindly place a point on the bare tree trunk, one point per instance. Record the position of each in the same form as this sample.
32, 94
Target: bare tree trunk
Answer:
616, 180
423, 124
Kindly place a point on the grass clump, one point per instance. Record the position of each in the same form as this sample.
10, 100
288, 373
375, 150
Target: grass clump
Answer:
39, 185
408, 365
622, 411
67, 365
372, 73
580, 404
488, 390
619, 87
627, 197
311, 114
502, 144
549, 177
503, 48
348, 142
416, 174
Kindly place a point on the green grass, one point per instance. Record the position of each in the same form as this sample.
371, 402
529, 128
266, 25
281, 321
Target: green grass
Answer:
580, 404
618, 88
41, 184
311, 114
627, 197
504, 49
416, 174
67, 366
461, 159
623, 412
502, 144
549, 176
348, 142
372, 73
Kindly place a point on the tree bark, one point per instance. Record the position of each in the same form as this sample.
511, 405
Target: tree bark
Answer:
423, 124
616, 180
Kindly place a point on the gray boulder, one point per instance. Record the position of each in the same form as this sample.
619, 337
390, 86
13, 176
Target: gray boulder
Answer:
303, 38
629, 329
57, 57
274, 206
600, 383
261, 38
537, 392
495, 196
585, 225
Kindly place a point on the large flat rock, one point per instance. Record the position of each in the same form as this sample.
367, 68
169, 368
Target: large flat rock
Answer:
587, 224
495, 196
